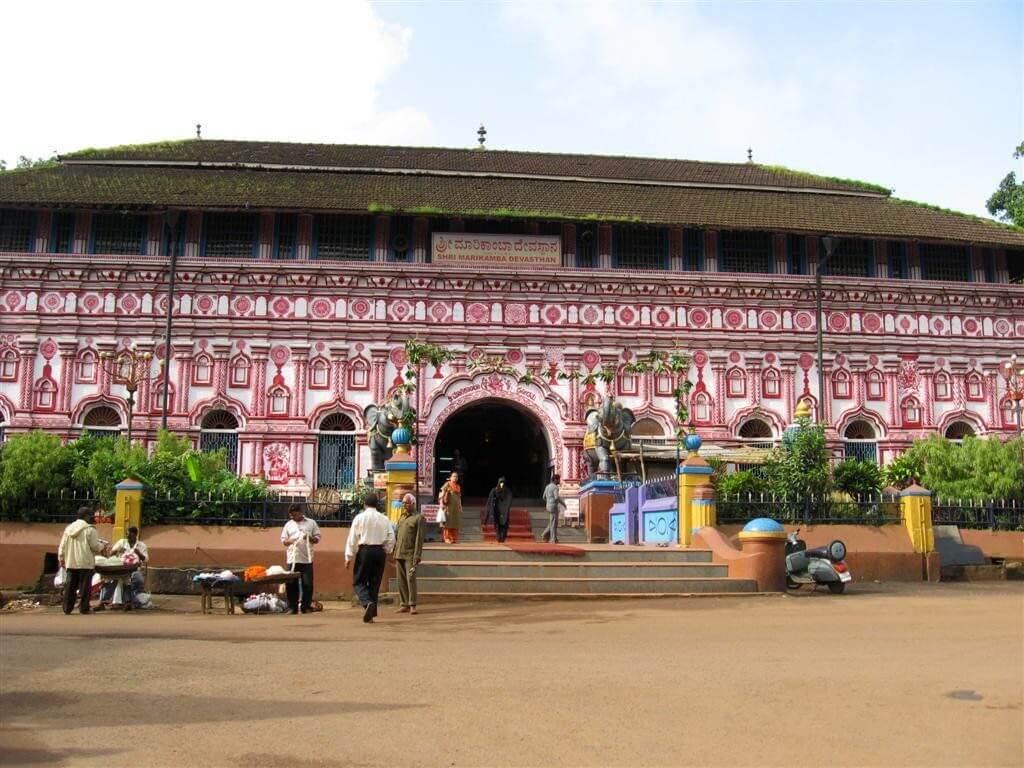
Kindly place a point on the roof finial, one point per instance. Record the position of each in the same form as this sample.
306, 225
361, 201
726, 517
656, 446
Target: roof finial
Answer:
199, 130
750, 155
482, 134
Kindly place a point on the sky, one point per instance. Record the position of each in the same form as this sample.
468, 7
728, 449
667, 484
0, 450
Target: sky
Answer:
926, 98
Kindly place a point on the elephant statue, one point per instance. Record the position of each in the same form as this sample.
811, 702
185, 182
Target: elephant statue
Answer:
383, 419
608, 433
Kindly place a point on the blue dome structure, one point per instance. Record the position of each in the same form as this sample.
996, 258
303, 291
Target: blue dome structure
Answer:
763, 525
693, 442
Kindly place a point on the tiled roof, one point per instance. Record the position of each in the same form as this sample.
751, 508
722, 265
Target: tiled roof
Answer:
842, 214
469, 161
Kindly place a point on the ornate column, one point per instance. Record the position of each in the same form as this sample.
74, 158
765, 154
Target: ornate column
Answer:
300, 357
104, 373
143, 398
788, 366
183, 382
892, 392
221, 353
68, 350
927, 404
27, 349
572, 365
991, 379
260, 355
718, 362
754, 379
339, 359
378, 370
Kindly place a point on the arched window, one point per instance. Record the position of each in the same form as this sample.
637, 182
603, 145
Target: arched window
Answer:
958, 430
701, 408
911, 409
1009, 411
46, 395
8, 365
219, 430
86, 373
860, 441
156, 402
771, 383
102, 421
736, 383
943, 386
359, 375
648, 431
975, 387
336, 452
841, 389
240, 368
664, 385
319, 374
629, 383
756, 429
202, 371
875, 385
279, 398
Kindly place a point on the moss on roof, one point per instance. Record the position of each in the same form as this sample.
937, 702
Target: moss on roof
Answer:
804, 175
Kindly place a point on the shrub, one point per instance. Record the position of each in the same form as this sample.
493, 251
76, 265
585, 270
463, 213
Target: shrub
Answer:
799, 468
859, 479
978, 469
34, 465
740, 485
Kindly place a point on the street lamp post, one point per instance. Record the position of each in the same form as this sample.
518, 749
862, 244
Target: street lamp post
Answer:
830, 244
1014, 375
171, 223
129, 368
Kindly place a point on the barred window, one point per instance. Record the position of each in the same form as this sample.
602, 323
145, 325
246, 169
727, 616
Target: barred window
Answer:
693, 250
16, 230
852, 257
988, 257
1015, 265
286, 229
121, 233
344, 238
746, 252
402, 245
62, 232
796, 254
898, 260
495, 226
586, 246
230, 235
945, 262
641, 247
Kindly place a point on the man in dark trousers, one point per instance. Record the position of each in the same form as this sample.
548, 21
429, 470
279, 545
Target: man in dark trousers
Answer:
499, 505
77, 555
370, 540
298, 537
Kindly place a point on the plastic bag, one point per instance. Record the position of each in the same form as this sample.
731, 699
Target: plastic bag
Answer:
61, 577
442, 517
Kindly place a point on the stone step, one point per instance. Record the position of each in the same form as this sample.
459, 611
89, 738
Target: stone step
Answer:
495, 553
576, 586
535, 570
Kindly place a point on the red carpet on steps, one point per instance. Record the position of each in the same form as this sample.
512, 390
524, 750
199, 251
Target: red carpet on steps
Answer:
519, 529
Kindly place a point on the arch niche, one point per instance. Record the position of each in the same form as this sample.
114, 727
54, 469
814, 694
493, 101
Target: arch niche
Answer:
506, 435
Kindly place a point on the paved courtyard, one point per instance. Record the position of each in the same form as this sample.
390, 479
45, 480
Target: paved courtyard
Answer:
910, 675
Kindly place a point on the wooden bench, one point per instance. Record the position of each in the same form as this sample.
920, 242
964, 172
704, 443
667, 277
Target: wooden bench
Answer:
230, 590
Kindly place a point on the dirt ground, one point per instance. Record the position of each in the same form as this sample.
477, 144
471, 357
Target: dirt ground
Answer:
899, 675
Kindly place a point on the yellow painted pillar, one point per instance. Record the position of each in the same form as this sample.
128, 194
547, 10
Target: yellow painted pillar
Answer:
401, 469
694, 474
703, 504
916, 503
127, 507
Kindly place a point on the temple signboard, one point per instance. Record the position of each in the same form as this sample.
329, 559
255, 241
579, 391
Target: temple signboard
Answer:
465, 249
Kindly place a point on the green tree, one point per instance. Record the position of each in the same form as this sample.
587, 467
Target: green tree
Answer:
1007, 202
33, 466
978, 469
109, 462
799, 468
858, 479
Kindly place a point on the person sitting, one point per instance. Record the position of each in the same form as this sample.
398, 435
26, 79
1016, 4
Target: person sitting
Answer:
130, 585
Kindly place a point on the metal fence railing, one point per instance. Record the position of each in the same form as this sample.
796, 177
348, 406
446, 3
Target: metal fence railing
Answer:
58, 507
994, 514
866, 510
661, 488
200, 510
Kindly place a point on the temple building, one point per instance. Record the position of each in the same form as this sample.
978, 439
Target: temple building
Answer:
300, 271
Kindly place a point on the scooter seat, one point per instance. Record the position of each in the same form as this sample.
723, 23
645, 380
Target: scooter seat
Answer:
821, 552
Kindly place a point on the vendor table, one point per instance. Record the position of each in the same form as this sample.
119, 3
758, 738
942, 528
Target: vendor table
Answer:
227, 589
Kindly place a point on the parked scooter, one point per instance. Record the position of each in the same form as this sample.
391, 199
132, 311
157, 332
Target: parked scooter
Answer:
821, 565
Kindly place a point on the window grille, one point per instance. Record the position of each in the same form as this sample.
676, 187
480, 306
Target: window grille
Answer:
495, 226
16, 230
898, 261
62, 232
693, 250
641, 248
336, 460
230, 235
102, 416
219, 420
402, 245
958, 430
988, 257
120, 233
756, 429
796, 253
1015, 265
945, 262
337, 422
586, 246
214, 441
861, 451
746, 252
852, 257
343, 238
286, 236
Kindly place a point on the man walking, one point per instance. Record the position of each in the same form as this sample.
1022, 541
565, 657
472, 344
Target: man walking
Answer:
77, 554
552, 501
499, 506
298, 537
370, 540
408, 552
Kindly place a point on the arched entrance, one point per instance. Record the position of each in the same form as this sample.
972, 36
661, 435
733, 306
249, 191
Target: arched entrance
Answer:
496, 438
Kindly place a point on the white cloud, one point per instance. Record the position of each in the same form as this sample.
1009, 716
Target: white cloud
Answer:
110, 72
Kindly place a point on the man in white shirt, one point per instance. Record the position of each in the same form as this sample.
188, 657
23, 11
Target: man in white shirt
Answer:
298, 537
132, 585
370, 540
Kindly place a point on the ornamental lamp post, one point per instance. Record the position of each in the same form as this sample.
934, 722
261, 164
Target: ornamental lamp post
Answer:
171, 218
130, 369
1014, 375
830, 242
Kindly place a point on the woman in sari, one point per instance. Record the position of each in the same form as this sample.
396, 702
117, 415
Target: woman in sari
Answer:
450, 499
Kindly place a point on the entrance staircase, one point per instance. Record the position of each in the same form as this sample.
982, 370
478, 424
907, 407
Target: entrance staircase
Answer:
491, 570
